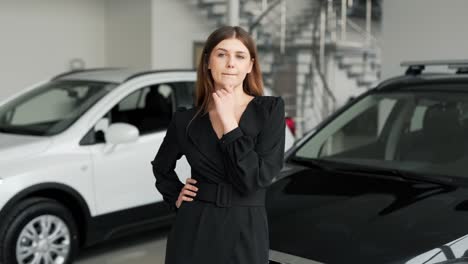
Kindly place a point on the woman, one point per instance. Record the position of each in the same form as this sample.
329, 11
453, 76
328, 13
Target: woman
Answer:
233, 140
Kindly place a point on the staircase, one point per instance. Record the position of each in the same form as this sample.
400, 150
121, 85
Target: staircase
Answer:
361, 62
350, 67
310, 91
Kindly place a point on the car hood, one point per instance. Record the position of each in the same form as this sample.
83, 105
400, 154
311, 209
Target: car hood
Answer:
18, 147
337, 218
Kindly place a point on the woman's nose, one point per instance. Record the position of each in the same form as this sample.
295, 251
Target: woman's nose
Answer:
230, 62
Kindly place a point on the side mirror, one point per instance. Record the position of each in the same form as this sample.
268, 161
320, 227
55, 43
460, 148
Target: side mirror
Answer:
121, 133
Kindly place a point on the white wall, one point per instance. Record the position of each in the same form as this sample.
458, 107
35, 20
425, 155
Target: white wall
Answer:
38, 38
176, 24
422, 30
129, 33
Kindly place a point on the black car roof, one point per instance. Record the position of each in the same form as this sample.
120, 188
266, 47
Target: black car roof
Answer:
415, 74
401, 82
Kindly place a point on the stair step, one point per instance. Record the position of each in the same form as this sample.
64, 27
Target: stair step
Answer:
367, 80
308, 34
266, 67
267, 57
348, 61
303, 68
301, 79
252, 8
355, 70
301, 41
213, 2
354, 49
267, 81
244, 21
304, 58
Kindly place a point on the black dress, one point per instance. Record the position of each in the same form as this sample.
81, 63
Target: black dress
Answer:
246, 158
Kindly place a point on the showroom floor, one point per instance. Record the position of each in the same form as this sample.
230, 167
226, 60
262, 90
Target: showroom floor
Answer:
148, 248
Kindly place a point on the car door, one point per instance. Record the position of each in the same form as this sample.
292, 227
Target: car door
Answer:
123, 173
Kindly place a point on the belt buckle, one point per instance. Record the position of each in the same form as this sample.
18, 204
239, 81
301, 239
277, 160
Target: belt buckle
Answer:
223, 195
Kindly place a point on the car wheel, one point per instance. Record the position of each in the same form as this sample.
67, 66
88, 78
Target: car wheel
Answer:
38, 230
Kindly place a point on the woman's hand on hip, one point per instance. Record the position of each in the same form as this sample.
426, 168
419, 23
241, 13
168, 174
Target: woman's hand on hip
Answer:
188, 191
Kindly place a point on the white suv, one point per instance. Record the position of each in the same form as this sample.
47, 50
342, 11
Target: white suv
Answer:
75, 156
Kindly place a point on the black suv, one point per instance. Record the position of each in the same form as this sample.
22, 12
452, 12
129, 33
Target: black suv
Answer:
383, 180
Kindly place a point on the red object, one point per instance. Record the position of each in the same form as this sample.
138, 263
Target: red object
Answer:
291, 124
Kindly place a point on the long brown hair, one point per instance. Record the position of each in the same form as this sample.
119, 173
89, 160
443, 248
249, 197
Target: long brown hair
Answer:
252, 85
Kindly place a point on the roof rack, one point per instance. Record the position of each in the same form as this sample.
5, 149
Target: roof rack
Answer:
417, 67
84, 70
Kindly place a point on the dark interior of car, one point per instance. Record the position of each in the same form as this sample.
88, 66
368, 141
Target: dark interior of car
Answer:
153, 116
440, 140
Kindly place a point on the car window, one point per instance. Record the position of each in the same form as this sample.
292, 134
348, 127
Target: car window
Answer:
359, 126
134, 100
422, 131
51, 108
436, 131
359, 131
150, 108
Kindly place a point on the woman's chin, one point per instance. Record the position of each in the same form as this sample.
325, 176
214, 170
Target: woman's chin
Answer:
227, 84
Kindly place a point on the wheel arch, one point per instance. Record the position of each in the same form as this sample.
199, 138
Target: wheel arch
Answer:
63, 194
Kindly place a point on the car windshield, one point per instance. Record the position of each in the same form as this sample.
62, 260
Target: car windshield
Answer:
420, 130
50, 108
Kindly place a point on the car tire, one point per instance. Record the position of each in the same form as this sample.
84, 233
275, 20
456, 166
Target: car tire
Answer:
40, 228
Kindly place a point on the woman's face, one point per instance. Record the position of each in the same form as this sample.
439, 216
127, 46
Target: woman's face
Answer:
229, 63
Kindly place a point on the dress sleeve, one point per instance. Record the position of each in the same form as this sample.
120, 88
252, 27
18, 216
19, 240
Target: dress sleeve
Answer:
164, 163
250, 167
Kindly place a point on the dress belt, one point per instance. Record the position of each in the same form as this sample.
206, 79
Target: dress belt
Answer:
223, 195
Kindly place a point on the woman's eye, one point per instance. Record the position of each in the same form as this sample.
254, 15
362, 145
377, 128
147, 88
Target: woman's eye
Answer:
240, 57
220, 54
